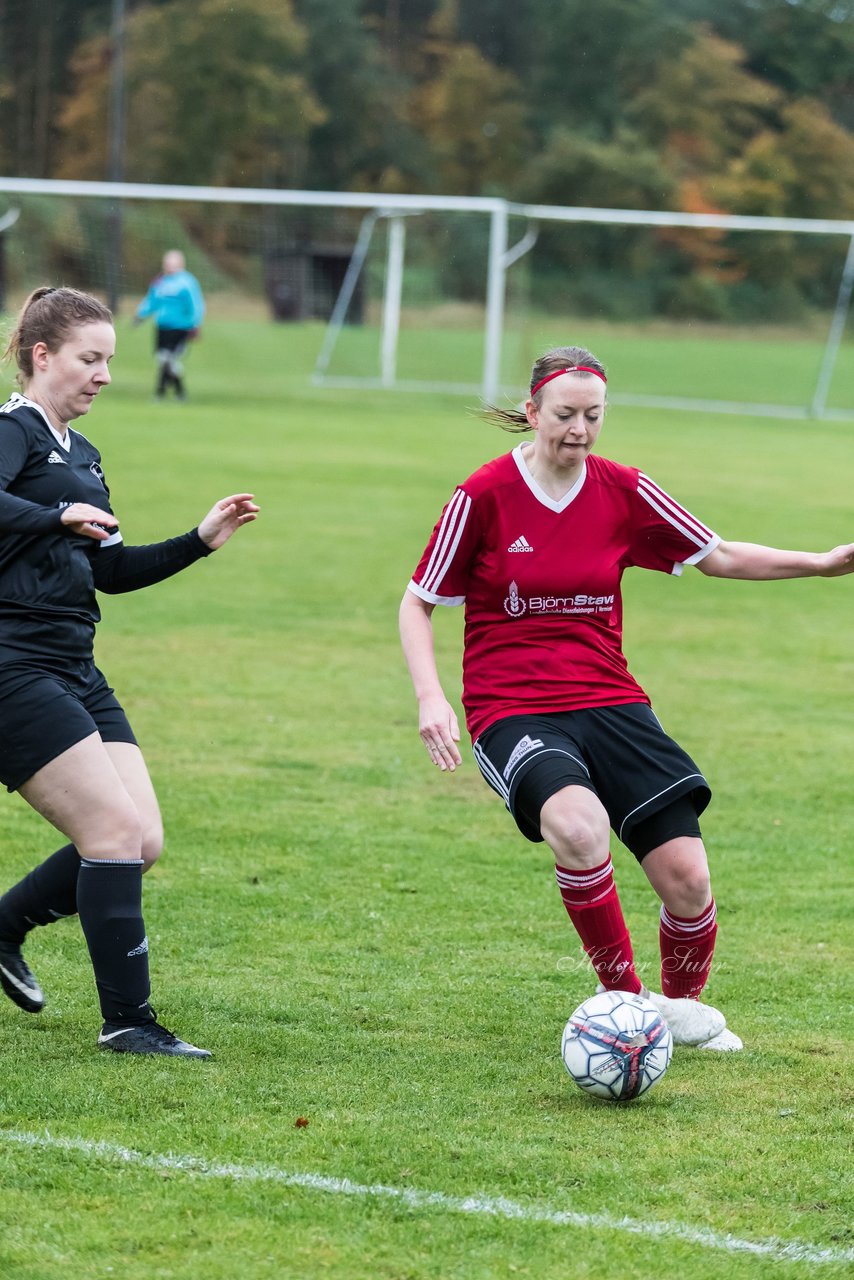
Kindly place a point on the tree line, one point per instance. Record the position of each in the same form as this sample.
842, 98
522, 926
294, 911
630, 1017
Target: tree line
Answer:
743, 106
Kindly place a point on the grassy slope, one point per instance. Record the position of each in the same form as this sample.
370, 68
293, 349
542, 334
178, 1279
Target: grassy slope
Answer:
372, 947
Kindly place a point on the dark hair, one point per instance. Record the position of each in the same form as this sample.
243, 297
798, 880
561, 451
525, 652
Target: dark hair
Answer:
47, 316
558, 358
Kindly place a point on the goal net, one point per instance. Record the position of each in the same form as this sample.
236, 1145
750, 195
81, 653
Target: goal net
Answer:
460, 295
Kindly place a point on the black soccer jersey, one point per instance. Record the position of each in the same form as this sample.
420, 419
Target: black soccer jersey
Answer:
48, 574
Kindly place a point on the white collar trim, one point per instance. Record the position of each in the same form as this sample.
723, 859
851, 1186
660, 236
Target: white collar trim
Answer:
64, 441
540, 494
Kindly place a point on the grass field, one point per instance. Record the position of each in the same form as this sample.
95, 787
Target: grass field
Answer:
381, 965
769, 365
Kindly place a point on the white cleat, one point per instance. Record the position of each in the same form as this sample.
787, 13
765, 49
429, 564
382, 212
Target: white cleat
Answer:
690, 1022
725, 1041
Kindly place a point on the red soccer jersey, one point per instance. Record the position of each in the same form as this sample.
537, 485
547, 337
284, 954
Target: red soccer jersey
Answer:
541, 582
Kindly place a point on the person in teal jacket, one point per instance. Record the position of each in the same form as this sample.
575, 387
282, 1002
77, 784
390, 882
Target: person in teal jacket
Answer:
175, 301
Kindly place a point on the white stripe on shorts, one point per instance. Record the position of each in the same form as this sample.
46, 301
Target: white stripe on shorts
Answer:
490, 773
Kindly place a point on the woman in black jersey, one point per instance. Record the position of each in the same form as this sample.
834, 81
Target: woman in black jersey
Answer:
65, 743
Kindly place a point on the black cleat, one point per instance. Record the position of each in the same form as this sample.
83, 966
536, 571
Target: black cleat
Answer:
148, 1038
17, 980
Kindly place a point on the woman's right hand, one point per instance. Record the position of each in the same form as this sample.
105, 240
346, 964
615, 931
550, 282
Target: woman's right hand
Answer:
440, 732
90, 522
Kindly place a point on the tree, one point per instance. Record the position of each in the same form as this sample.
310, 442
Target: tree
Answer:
504, 33
470, 112
804, 168
364, 140
35, 38
587, 63
401, 26
573, 169
215, 95
804, 47
704, 107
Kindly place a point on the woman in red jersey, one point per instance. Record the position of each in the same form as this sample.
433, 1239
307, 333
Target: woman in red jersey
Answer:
535, 544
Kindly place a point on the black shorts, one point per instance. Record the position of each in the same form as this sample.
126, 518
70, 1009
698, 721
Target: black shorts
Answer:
44, 710
174, 340
621, 754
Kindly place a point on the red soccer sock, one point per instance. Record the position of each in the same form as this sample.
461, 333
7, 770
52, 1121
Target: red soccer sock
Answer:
591, 900
687, 946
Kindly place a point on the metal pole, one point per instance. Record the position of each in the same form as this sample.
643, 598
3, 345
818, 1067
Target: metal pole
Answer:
348, 286
834, 338
117, 148
523, 246
391, 301
6, 222
495, 288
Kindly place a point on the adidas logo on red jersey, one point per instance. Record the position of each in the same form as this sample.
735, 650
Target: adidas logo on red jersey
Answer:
521, 544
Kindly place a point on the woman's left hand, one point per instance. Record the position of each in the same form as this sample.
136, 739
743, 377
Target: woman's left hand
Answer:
837, 562
226, 517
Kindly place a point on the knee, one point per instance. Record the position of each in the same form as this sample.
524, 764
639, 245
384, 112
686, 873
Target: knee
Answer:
577, 831
152, 843
687, 891
116, 833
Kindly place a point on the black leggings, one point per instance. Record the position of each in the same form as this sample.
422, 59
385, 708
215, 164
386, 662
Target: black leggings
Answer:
677, 819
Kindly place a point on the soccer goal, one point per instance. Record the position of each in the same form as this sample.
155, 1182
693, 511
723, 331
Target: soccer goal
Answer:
459, 295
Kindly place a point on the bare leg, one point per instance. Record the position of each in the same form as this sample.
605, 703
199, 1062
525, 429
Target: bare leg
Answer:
130, 765
49, 892
82, 794
678, 871
102, 799
574, 824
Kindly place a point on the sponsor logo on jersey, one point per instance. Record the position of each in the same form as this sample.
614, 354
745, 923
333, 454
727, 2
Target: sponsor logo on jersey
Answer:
514, 604
95, 468
521, 544
53, 456
522, 748
580, 603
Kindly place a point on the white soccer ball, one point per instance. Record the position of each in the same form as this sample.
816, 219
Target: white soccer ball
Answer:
616, 1045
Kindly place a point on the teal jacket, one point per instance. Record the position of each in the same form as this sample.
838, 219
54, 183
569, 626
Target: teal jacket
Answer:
175, 301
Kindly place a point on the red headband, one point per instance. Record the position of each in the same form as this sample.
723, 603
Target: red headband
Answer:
578, 368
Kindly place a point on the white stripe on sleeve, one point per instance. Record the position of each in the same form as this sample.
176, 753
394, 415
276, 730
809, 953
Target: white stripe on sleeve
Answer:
689, 526
432, 598
447, 541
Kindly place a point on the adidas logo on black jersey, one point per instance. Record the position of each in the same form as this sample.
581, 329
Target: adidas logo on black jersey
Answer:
53, 456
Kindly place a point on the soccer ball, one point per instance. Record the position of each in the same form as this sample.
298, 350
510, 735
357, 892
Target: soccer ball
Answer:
616, 1045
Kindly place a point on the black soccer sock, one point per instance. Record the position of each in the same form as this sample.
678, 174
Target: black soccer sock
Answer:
109, 900
47, 893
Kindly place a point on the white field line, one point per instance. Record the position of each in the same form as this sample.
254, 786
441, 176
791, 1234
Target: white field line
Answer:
476, 1205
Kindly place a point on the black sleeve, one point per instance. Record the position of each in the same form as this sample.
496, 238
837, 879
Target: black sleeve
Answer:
17, 515
119, 568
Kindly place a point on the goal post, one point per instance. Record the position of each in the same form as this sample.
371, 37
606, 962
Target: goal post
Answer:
817, 407
498, 248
